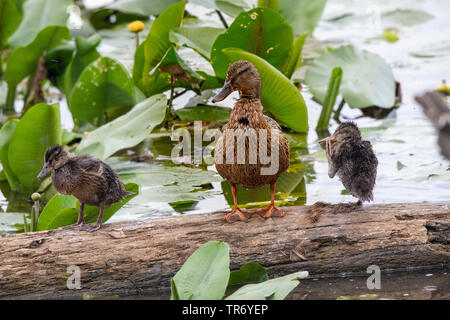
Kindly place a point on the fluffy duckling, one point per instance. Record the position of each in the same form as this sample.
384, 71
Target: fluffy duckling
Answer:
88, 179
247, 121
353, 160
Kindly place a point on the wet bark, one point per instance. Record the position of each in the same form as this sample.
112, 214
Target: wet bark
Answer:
140, 257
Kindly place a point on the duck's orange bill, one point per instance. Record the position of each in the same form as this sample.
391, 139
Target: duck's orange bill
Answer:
323, 141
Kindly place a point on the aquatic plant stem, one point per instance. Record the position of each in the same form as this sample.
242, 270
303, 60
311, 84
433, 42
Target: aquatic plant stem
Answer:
224, 22
338, 111
330, 98
137, 40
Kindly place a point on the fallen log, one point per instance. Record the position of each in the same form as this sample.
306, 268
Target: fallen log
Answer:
140, 257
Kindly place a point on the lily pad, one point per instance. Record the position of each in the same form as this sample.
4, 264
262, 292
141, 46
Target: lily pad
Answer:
200, 39
205, 113
37, 15
127, 130
439, 49
405, 17
141, 7
230, 7
302, 15
260, 31
102, 86
367, 81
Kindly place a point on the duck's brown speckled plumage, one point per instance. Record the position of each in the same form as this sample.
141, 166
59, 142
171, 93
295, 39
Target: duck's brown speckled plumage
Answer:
88, 179
354, 161
246, 117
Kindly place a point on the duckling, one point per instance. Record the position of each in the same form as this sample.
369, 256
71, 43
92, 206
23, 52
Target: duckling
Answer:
90, 180
353, 160
250, 129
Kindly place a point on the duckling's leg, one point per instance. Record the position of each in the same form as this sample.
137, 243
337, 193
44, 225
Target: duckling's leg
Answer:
237, 211
99, 222
271, 208
80, 221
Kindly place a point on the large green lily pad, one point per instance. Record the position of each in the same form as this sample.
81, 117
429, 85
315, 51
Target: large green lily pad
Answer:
367, 80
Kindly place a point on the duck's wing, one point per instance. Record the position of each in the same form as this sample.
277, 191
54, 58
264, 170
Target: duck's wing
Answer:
272, 122
89, 164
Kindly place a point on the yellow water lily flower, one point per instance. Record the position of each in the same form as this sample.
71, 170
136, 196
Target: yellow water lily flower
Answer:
136, 26
444, 88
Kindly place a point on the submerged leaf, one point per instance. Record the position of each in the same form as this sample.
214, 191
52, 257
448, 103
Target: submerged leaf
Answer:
367, 79
127, 130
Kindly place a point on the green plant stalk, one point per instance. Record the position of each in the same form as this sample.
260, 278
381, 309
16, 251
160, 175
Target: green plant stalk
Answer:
330, 99
33, 219
338, 111
222, 19
10, 98
25, 224
272, 4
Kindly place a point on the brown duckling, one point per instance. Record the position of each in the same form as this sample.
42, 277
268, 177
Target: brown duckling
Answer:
244, 133
353, 160
88, 179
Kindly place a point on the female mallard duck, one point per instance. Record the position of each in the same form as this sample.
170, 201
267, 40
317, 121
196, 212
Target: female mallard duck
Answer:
353, 160
88, 179
249, 139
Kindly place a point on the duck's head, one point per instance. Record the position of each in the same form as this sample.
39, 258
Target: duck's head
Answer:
346, 131
55, 157
241, 76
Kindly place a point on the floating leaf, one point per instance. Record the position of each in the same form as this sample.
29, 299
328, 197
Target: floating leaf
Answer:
279, 96
439, 49
205, 274
127, 130
302, 15
276, 289
141, 7
260, 31
251, 272
102, 86
367, 80
39, 14
405, 17
197, 38
205, 113
230, 7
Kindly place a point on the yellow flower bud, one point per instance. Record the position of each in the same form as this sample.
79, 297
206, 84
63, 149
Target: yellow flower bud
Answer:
136, 26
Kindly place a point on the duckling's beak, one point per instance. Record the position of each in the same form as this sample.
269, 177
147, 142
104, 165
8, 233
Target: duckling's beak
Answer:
323, 141
44, 171
225, 92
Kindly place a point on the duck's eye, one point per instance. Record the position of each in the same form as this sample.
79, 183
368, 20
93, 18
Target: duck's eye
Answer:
242, 71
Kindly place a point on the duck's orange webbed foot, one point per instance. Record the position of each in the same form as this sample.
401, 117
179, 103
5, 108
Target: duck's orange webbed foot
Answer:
269, 211
237, 213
